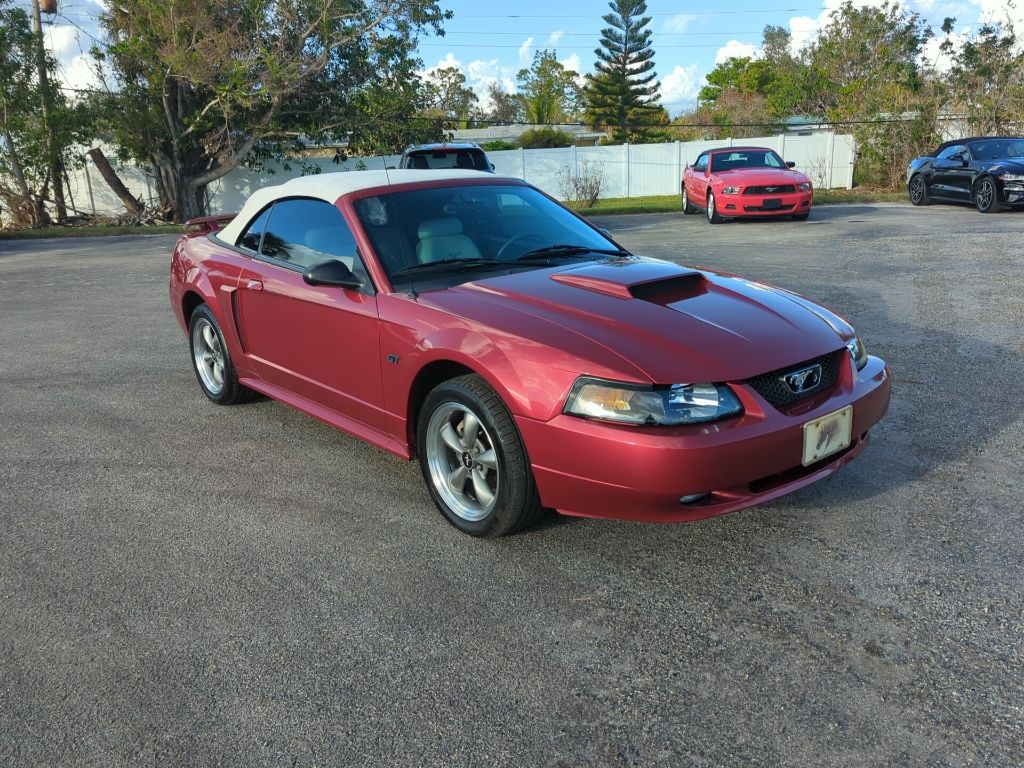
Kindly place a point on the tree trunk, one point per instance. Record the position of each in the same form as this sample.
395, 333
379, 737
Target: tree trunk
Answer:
131, 204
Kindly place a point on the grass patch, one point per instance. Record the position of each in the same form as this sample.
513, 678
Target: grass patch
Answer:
98, 231
671, 203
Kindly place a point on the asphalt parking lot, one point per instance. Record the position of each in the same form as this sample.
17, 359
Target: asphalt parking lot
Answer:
186, 584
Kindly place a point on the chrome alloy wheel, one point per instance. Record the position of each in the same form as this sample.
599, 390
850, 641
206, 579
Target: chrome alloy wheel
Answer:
984, 197
462, 460
711, 207
208, 353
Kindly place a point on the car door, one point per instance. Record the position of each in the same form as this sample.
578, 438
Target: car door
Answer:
951, 174
319, 342
697, 180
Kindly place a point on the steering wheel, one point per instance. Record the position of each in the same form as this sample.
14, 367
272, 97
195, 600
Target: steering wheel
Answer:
514, 239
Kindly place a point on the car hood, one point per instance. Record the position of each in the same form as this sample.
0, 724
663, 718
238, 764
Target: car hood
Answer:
761, 176
671, 323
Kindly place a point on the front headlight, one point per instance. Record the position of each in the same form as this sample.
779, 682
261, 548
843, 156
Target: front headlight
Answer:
730, 190
651, 406
804, 186
857, 351
1013, 177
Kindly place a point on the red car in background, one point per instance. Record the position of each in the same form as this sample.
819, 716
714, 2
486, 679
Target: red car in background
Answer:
519, 353
735, 182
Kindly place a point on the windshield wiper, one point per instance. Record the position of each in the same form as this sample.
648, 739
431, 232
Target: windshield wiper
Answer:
430, 265
567, 250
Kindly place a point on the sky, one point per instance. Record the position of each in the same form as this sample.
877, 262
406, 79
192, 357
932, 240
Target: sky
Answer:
492, 41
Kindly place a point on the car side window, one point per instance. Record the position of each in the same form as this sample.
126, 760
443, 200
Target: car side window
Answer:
303, 233
954, 154
250, 239
701, 164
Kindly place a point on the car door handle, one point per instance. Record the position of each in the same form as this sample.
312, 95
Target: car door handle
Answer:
254, 285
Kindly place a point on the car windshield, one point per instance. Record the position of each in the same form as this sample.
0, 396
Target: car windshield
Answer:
470, 159
747, 158
460, 233
997, 149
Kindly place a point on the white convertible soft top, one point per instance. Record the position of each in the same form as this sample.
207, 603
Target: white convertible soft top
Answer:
331, 186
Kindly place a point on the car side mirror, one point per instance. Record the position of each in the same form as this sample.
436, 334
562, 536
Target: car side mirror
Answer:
964, 162
491, 166
332, 272
790, 164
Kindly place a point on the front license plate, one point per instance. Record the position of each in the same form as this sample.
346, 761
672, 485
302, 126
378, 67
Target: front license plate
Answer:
827, 434
771, 204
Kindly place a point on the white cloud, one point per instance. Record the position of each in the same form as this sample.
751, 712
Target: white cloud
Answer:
734, 49
932, 56
526, 52
448, 62
1000, 11
60, 38
479, 75
678, 23
554, 38
80, 73
572, 62
681, 85
802, 29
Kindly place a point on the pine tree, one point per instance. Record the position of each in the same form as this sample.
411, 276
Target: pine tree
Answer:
623, 91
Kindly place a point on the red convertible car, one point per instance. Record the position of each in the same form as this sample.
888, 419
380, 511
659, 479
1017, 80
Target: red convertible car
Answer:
736, 182
518, 352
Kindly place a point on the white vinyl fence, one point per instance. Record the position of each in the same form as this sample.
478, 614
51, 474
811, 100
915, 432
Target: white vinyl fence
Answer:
636, 170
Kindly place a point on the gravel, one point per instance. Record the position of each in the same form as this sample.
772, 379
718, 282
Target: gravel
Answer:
185, 584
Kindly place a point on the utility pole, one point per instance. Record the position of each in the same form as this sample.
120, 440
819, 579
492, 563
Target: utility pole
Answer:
56, 166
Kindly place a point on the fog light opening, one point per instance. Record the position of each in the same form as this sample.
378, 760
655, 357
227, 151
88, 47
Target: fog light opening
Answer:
693, 498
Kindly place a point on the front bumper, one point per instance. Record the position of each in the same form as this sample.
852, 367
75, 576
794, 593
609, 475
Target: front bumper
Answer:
594, 469
755, 205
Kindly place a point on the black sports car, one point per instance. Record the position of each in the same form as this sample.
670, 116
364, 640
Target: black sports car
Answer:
987, 171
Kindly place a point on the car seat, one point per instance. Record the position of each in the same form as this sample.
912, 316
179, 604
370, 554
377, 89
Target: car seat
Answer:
443, 239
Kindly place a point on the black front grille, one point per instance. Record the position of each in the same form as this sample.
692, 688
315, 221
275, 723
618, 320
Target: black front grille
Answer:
782, 189
777, 208
773, 389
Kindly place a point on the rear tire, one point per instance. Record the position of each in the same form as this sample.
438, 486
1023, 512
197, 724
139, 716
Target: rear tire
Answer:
918, 190
713, 217
473, 459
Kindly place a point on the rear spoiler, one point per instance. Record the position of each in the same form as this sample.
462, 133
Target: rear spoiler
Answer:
206, 223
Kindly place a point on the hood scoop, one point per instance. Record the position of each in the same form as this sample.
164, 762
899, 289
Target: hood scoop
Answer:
660, 290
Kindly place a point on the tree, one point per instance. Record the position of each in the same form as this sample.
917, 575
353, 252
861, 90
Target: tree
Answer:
448, 96
207, 84
545, 138
505, 108
860, 56
986, 80
622, 91
548, 91
37, 124
864, 69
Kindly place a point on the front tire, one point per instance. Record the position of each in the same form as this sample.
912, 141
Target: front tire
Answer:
986, 197
713, 216
211, 360
473, 459
801, 216
918, 190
